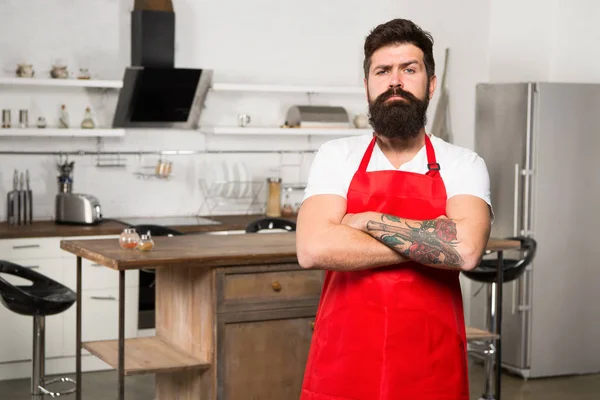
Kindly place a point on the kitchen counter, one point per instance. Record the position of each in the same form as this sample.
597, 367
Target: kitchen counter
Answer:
113, 227
205, 251
182, 251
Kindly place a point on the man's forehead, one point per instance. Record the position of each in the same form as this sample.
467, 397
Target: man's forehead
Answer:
397, 53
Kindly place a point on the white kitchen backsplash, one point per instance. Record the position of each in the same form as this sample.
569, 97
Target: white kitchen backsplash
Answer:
123, 193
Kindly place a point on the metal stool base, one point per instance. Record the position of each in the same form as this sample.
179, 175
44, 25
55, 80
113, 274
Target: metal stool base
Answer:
54, 381
38, 376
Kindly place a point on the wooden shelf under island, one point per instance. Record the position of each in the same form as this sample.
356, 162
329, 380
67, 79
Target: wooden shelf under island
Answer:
145, 355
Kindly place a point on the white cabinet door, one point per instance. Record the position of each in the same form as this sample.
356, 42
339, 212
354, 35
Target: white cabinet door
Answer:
16, 331
100, 313
96, 276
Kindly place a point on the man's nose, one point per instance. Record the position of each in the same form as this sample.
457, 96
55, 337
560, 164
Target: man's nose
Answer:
396, 80
395, 86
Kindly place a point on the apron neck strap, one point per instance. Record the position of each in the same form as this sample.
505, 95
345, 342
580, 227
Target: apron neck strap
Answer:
433, 167
364, 163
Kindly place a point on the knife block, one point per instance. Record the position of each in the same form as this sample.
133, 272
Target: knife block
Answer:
19, 207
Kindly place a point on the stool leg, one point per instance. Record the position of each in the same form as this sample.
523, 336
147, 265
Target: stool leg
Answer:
491, 326
38, 360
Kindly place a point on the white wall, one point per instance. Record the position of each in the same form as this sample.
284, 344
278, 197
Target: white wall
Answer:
576, 42
263, 41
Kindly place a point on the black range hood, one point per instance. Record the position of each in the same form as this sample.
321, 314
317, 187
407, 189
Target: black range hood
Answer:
155, 94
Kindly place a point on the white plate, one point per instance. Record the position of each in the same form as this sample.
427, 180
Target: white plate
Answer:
244, 175
231, 189
215, 175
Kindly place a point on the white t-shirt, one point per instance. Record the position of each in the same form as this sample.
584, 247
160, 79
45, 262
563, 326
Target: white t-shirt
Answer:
462, 170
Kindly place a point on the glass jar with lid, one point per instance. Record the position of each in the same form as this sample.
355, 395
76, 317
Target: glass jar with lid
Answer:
129, 239
146, 243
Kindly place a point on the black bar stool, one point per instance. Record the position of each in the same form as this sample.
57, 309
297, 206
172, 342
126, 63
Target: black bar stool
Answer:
156, 230
270, 223
42, 298
486, 272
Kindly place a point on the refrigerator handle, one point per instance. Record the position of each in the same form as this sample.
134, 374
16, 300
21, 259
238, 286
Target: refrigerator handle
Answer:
516, 201
527, 172
513, 307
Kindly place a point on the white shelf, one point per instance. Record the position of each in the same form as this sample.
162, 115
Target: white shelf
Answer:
85, 83
283, 131
245, 87
49, 132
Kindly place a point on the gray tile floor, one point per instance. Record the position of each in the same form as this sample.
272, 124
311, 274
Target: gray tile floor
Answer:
103, 386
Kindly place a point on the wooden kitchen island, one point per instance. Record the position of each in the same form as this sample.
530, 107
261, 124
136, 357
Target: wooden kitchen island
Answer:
234, 315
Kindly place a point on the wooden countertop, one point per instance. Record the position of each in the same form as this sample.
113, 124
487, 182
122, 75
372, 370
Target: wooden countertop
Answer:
205, 250
112, 227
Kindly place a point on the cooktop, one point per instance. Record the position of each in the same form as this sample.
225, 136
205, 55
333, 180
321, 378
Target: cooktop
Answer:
168, 221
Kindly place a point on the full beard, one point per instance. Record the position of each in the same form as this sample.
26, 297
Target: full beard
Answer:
398, 119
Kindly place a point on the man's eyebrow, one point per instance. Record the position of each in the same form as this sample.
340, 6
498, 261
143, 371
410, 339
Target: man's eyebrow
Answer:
403, 65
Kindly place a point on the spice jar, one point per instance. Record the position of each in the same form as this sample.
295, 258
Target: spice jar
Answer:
129, 239
146, 243
287, 210
274, 197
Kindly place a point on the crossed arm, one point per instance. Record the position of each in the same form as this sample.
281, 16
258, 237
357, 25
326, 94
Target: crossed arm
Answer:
327, 238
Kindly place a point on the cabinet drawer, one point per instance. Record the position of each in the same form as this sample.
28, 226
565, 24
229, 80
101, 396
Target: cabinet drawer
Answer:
268, 285
16, 249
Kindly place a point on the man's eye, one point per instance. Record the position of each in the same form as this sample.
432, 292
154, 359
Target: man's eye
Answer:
380, 72
410, 70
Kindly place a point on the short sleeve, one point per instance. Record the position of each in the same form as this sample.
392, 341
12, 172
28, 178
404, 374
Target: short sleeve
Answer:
470, 176
327, 173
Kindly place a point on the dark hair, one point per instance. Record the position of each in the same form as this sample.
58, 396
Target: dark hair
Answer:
400, 31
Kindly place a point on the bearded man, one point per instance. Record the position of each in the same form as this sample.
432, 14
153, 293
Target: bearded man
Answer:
393, 218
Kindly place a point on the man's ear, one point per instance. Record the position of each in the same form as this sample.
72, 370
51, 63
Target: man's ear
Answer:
432, 86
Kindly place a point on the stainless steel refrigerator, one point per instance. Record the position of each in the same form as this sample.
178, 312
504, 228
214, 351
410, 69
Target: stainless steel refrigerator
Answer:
541, 143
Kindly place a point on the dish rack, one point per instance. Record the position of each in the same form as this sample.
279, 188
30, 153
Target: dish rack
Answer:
231, 193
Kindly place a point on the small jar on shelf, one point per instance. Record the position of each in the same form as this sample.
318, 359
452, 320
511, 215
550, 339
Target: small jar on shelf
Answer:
129, 239
88, 119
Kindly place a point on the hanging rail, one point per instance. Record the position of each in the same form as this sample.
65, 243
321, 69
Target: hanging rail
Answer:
158, 152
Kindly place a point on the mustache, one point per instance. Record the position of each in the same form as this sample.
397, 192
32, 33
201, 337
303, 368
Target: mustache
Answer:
397, 91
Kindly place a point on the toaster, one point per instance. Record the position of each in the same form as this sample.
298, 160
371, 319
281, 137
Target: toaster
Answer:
77, 208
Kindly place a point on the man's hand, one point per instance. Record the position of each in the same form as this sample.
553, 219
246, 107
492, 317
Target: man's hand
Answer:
356, 221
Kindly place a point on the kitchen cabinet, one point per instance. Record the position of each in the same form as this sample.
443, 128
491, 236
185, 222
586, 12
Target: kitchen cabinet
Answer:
16, 331
100, 301
99, 309
263, 355
264, 322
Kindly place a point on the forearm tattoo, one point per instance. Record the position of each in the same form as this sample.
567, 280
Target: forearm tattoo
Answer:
430, 242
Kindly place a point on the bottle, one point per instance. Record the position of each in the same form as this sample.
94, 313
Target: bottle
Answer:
129, 239
146, 243
88, 120
63, 119
274, 197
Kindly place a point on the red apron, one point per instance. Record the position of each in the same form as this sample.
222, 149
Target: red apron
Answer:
392, 333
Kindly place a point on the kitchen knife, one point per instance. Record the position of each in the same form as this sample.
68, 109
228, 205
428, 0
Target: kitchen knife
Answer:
19, 204
25, 201
12, 200
29, 199
10, 207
